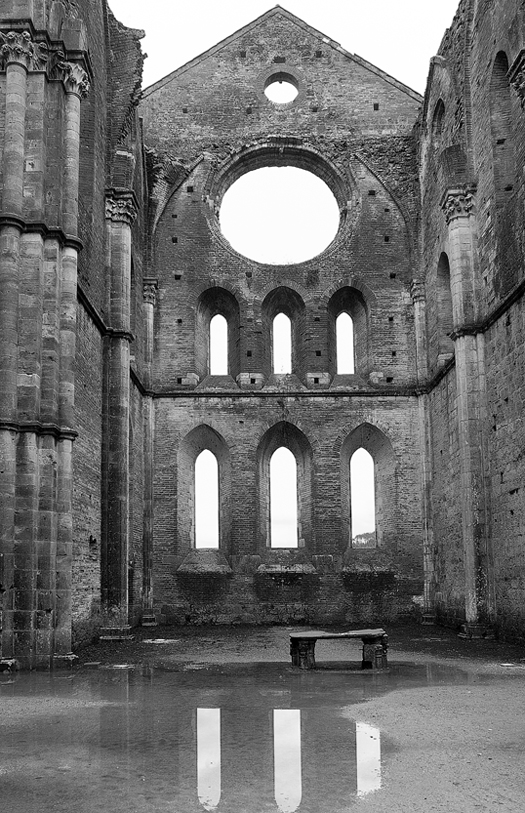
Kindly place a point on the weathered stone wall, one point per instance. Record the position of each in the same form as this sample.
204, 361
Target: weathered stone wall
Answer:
472, 138
346, 125
349, 584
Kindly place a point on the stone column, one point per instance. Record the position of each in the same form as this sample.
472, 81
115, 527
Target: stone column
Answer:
76, 85
459, 208
16, 51
149, 290
417, 290
120, 214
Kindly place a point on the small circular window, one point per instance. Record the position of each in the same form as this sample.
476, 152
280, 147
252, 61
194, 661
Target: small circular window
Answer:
281, 88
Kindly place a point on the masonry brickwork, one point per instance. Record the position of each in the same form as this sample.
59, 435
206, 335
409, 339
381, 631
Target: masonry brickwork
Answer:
112, 265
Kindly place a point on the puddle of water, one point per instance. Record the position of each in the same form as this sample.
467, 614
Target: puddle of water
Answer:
250, 738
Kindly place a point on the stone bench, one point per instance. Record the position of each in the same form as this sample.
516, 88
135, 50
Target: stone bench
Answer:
375, 647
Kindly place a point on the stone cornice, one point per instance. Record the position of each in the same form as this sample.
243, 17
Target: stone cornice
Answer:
459, 202
39, 428
47, 232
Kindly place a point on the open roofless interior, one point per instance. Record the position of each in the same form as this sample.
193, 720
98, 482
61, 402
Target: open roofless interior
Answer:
260, 355
261, 382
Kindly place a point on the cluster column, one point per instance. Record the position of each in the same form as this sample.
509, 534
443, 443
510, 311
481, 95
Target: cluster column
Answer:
38, 279
121, 211
459, 209
17, 555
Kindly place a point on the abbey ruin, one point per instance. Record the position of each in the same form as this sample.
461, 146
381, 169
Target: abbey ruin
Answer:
113, 266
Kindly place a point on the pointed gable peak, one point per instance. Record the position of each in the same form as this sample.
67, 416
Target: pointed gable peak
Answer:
280, 11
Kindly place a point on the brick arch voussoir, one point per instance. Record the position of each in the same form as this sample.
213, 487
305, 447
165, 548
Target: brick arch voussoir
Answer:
198, 438
352, 281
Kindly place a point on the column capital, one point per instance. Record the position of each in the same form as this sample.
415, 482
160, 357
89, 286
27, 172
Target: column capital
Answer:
74, 77
417, 291
121, 209
458, 202
516, 76
150, 287
17, 48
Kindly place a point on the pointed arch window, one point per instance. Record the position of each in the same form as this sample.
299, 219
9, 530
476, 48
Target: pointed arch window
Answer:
501, 129
206, 500
282, 344
437, 124
444, 308
283, 499
363, 499
218, 345
344, 327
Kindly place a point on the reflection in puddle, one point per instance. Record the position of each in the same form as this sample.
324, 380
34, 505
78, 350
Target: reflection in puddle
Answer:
209, 757
287, 759
368, 754
256, 740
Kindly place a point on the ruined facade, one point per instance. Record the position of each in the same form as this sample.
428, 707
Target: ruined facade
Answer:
113, 264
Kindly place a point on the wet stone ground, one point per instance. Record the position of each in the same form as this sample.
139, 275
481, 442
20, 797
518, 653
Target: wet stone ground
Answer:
186, 719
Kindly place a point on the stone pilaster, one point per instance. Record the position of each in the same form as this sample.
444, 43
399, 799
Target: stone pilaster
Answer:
459, 209
120, 214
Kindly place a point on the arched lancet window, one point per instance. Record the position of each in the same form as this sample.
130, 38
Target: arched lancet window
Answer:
444, 307
283, 499
206, 500
501, 129
218, 345
209, 757
348, 333
345, 344
362, 499
437, 124
282, 344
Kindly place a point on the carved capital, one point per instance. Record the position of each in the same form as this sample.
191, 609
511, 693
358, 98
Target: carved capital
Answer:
150, 287
74, 77
17, 47
458, 203
417, 291
121, 210
516, 76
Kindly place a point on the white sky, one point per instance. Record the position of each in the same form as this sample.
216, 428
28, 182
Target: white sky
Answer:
399, 36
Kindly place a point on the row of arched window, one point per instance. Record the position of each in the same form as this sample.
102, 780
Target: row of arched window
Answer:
284, 499
287, 335
282, 345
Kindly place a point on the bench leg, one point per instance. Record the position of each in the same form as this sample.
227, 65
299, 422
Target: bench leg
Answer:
303, 654
374, 653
